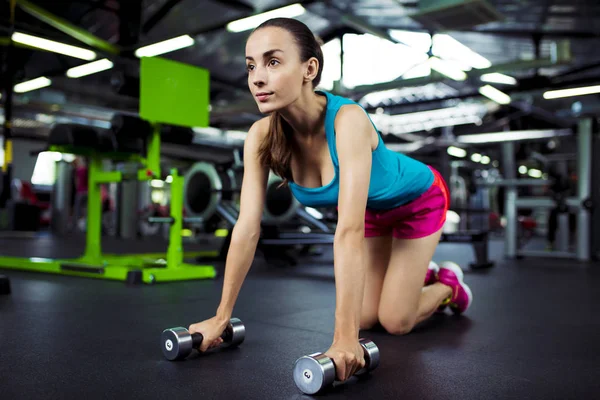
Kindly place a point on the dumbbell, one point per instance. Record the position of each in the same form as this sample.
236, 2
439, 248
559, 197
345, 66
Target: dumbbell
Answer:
177, 343
315, 372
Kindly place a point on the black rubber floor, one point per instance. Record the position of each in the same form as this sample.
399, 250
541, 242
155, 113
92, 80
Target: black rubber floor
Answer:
532, 333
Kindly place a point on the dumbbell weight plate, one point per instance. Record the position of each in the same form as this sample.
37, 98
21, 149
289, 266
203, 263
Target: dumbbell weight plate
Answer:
176, 343
234, 334
310, 372
371, 352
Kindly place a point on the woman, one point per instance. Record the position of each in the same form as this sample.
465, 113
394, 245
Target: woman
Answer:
330, 153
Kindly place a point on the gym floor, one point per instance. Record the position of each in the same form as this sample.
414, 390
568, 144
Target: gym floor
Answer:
531, 333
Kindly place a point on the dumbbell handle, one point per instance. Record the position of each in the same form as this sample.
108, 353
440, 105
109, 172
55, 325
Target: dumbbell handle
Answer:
197, 337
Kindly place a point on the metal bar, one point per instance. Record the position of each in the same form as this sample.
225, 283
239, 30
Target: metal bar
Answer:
549, 254
510, 207
518, 33
515, 182
545, 202
584, 173
159, 15
66, 27
562, 236
223, 213
8, 71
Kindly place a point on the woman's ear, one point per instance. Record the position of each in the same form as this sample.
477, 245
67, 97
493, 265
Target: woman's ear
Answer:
312, 69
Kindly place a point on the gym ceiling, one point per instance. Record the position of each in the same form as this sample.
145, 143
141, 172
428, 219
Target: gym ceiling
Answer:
544, 45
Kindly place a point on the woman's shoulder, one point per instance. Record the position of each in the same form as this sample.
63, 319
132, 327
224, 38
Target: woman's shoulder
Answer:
260, 128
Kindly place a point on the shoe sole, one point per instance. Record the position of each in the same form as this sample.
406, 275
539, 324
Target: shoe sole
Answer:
460, 275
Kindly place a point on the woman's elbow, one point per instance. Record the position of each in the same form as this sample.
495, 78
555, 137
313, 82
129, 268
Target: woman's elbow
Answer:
245, 230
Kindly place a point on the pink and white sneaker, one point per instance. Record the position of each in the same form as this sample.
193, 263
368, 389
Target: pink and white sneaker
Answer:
432, 272
451, 274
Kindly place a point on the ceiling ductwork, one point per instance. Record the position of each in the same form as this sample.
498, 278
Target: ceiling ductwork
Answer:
447, 15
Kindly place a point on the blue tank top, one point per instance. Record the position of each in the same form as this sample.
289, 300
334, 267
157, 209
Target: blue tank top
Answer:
396, 179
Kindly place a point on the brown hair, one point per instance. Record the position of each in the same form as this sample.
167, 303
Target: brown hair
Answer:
275, 151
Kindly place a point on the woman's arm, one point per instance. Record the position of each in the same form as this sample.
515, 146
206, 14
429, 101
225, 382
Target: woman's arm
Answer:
246, 231
353, 143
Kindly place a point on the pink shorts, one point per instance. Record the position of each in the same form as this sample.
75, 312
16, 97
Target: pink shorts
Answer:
421, 217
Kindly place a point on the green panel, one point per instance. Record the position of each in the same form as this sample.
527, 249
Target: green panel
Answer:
174, 93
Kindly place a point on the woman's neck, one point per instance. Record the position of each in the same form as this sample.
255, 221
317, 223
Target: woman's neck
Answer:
306, 115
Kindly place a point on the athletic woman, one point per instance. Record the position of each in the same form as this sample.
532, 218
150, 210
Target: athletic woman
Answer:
391, 208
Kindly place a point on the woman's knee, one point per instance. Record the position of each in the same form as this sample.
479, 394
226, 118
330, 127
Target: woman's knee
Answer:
397, 323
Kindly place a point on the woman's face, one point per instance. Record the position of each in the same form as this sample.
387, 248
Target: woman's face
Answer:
275, 72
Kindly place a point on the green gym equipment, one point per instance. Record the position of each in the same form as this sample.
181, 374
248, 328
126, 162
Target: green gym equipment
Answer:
170, 93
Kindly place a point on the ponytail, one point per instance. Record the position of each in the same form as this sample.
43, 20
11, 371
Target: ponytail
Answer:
275, 151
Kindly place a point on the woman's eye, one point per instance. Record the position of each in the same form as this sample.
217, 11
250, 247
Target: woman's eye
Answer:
249, 67
273, 62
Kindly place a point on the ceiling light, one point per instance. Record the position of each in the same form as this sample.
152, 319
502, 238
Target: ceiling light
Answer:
55, 47
457, 152
485, 160
447, 69
556, 94
512, 136
534, 173
522, 169
252, 22
165, 46
496, 77
475, 157
445, 46
494, 94
89, 69
33, 84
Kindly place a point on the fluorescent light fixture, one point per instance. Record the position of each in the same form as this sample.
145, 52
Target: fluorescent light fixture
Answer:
485, 160
33, 84
165, 46
494, 94
169, 179
431, 91
512, 136
496, 77
534, 173
447, 69
420, 41
89, 69
55, 47
457, 152
581, 91
523, 169
252, 22
445, 46
475, 157
155, 183
461, 114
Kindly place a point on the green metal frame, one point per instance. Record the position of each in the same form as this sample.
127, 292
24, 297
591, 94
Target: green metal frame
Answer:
93, 264
66, 27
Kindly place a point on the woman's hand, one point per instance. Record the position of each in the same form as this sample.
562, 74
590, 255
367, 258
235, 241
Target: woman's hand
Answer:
211, 329
348, 357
